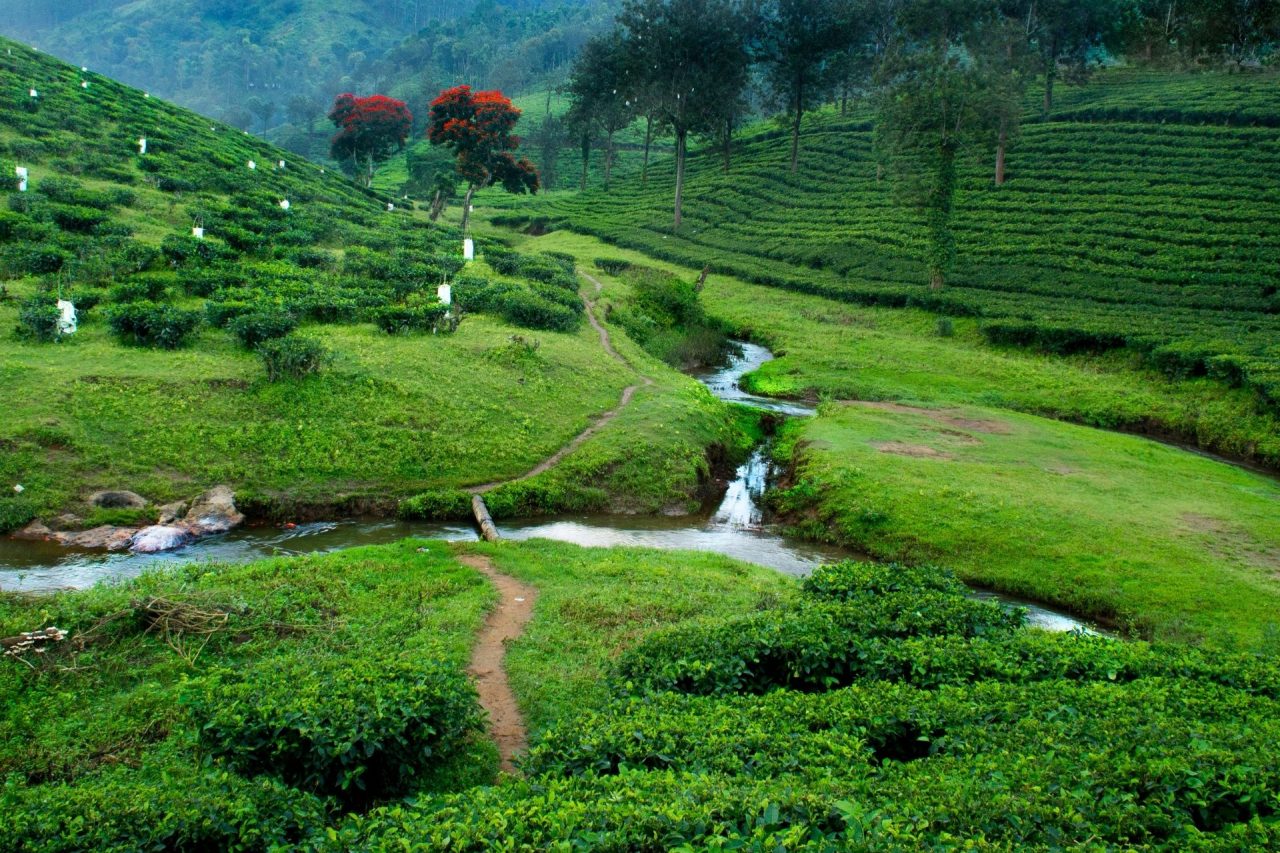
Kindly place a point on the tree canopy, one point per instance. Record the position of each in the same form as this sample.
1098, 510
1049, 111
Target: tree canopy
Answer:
369, 130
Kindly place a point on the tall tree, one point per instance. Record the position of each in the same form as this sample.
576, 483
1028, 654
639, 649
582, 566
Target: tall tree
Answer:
479, 128
691, 59
1062, 32
933, 100
797, 44
369, 131
1005, 62
601, 93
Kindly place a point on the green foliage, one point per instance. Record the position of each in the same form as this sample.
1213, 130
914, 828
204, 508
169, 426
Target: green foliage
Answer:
15, 512
664, 314
292, 357
399, 319
38, 319
313, 723
437, 505
149, 324
118, 517
611, 266
256, 327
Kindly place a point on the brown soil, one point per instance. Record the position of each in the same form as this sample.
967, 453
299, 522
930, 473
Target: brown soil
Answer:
942, 416
1236, 544
505, 623
627, 393
919, 451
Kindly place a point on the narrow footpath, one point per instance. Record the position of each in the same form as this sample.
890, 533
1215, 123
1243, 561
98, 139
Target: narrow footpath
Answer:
627, 393
505, 623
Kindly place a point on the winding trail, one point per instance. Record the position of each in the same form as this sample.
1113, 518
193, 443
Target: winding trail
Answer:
627, 393
505, 623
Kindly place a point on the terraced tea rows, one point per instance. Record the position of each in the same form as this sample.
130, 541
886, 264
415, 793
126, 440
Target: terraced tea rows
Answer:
1164, 238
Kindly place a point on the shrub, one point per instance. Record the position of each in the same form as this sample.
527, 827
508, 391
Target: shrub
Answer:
310, 722
946, 328
15, 512
611, 266
151, 324
291, 357
397, 319
524, 308
38, 319
252, 328
437, 505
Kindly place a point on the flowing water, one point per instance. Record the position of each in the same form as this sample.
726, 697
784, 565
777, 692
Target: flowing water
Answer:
736, 528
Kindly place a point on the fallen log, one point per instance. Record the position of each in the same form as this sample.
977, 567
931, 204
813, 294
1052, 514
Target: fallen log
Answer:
481, 512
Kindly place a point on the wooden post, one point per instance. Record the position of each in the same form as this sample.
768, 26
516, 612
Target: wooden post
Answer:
481, 512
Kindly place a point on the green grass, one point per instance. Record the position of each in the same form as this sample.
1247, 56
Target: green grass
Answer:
389, 417
595, 602
1150, 538
1153, 234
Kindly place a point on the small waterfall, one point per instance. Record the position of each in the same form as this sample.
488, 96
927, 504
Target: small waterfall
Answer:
739, 508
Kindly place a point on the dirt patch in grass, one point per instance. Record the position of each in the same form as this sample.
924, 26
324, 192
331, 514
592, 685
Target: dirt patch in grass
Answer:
1230, 542
917, 451
975, 424
948, 417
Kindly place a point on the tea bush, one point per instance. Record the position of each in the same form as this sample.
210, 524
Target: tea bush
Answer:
359, 731
152, 325
255, 327
292, 357
38, 319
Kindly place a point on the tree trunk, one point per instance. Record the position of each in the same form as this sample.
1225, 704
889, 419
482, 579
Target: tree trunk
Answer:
795, 127
648, 140
586, 159
727, 142
681, 137
844, 97
1050, 75
608, 158
437, 205
466, 207
942, 247
368, 180
1002, 143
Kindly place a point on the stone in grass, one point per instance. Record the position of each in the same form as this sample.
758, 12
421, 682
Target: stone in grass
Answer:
170, 513
117, 499
104, 537
159, 537
213, 512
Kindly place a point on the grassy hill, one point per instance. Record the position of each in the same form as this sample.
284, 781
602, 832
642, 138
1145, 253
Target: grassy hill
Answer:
161, 389
1142, 216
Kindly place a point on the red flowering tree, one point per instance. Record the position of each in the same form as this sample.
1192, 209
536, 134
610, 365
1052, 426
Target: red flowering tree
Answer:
369, 131
478, 127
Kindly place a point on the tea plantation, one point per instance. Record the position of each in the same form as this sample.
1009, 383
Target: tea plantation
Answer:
681, 701
1141, 215
247, 317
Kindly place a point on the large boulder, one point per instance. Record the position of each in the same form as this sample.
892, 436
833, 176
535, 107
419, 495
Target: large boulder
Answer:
213, 512
33, 532
170, 513
159, 537
106, 536
117, 499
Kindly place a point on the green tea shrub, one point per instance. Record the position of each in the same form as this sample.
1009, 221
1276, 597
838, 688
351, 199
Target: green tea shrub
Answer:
292, 357
38, 319
399, 319
359, 728
15, 511
150, 324
850, 580
611, 266
252, 328
19, 259
524, 308
139, 289
219, 312
437, 505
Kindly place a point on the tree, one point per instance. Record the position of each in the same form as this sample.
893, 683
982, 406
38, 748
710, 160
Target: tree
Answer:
600, 93
369, 130
264, 110
691, 59
933, 99
798, 43
478, 127
1062, 32
1005, 63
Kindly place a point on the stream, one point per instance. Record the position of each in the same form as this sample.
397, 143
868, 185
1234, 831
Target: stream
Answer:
736, 528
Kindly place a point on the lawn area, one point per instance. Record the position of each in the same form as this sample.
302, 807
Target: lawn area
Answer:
1155, 540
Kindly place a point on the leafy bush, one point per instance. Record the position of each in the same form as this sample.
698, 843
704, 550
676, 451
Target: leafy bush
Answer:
398, 319
611, 266
525, 308
153, 325
38, 319
437, 505
253, 328
292, 357
15, 512
357, 729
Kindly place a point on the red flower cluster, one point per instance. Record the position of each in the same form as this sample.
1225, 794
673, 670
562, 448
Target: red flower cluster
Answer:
478, 127
368, 128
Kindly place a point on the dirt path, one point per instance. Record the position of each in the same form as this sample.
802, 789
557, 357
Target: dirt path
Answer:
627, 393
505, 623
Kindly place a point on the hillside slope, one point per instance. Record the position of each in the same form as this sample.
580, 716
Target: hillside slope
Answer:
162, 388
1145, 214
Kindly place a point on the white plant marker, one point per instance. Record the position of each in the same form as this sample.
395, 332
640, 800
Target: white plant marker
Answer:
142, 145
445, 294
390, 207
21, 173
146, 94
34, 93
284, 204
84, 68
468, 249
252, 165
84, 84
281, 164
19, 489
66, 318
197, 232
